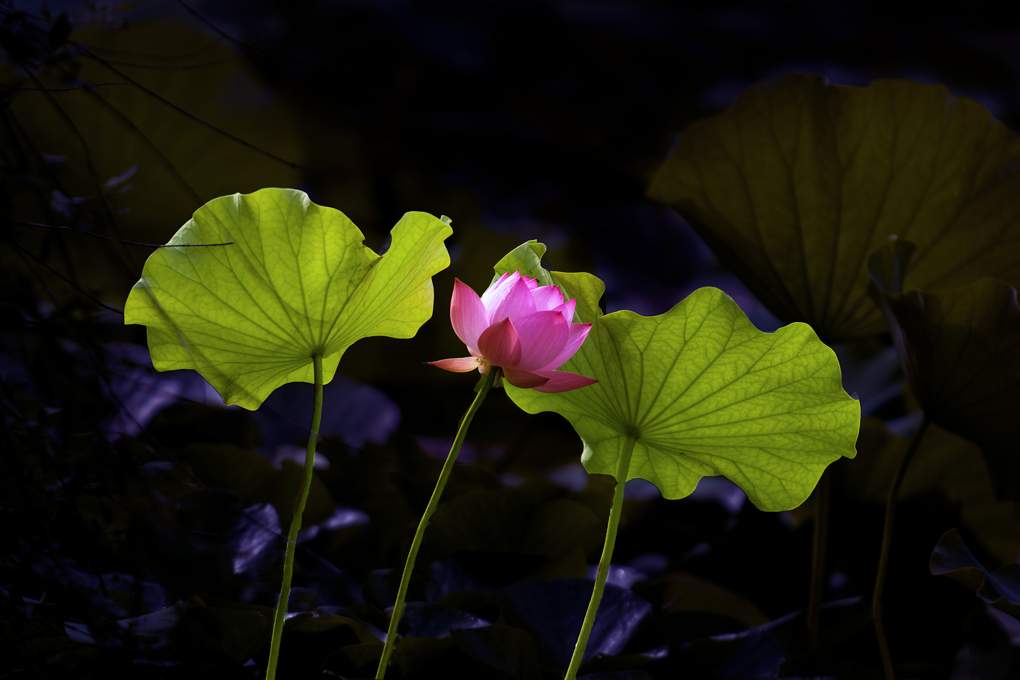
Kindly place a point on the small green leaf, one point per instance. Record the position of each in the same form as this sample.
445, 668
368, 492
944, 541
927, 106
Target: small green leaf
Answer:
527, 259
960, 350
800, 180
703, 392
296, 280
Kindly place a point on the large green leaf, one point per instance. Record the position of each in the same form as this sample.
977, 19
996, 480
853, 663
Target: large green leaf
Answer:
296, 280
702, 392
960, 350
800, 180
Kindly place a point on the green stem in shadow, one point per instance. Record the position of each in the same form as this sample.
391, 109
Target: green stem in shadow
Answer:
295, 524
883, 560
604, 560
405, 579
819, 545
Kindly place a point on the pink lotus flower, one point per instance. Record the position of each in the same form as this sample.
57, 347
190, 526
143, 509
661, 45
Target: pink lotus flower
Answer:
520, 327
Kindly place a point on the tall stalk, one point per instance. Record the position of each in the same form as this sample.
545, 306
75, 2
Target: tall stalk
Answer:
604, 560
295, 524
405, 579
883, 560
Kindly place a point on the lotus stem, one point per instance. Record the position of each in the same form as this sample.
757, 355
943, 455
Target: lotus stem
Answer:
444, 476
607, 556
883, 560
295, 524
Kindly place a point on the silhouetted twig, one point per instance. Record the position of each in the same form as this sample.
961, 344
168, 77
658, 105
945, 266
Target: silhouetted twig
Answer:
67, 280
117, 240
86, 86
174, 67
194, 117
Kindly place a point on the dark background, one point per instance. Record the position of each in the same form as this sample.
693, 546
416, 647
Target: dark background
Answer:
519, 120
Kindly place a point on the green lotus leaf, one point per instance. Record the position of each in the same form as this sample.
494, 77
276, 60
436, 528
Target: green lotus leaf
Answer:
796, 184
702, 392
960, 350
295, 280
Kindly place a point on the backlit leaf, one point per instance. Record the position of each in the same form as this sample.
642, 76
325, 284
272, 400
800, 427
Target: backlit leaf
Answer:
703, 392
296, 280
800, 180
960, 350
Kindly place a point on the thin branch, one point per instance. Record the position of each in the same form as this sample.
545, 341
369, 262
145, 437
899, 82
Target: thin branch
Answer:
89, 163
86, 86
194, 117
69, 281
162, 157
117, 240
237, 42
169, 67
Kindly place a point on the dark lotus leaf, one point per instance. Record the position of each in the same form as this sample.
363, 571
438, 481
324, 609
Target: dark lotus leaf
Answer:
148, 631
181, 161
219, 632
751, 651
828, 666
960, 350
255, 480
40, 640
763, 649
424, 654
512, 521
486, 571
459, 573
683, 592
255, 542
308, 640
759, 656
800, 180
362, 661
434, 620
152, 631
355, 413
506, 648
380, 587
480, 604
945, 464
357, 613
141, 393
181, 424
999, 588
553, 613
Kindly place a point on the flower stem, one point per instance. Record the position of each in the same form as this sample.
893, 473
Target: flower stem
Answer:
405, 579
295, 523
604, 560
883, 560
